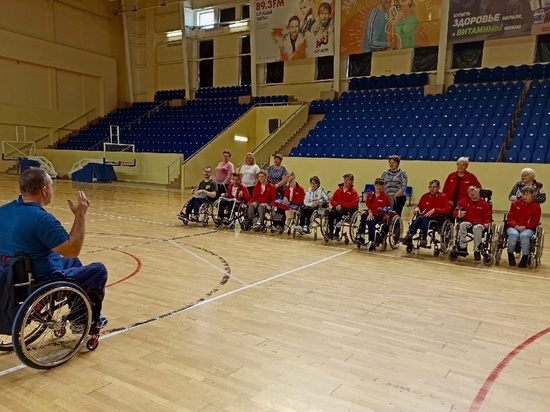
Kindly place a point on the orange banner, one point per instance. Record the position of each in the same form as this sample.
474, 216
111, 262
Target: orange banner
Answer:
377, 25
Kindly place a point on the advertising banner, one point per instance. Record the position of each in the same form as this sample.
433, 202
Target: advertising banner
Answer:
293, 29
377, 25
476, 20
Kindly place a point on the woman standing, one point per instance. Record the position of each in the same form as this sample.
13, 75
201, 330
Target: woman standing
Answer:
457, 183
224, 171
277, 175
395, 183
249, 171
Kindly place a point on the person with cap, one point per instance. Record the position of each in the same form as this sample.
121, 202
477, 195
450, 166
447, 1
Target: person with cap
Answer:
344, 201
523, 218
432, 205
277, 175
476, 214
315, 197
395, 184
375, 202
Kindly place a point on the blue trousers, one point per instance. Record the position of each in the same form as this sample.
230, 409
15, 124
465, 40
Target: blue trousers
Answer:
421, 222
524, 239
371, 224
194, 205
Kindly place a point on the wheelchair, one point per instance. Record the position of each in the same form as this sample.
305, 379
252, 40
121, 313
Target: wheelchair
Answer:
487, 246
316, 222
234, 213
388, 231
48, 323
344, 229
535, 249
439, 236
208, 210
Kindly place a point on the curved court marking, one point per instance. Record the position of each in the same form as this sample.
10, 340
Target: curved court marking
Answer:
135, 272
200, 303
484, 390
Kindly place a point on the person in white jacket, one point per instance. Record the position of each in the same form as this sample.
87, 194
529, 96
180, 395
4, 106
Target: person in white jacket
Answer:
315, 198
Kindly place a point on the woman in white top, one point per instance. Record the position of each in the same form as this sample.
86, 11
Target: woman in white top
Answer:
249, 171
315, 197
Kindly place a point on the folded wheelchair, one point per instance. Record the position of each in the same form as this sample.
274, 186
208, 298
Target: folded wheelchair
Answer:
46, 324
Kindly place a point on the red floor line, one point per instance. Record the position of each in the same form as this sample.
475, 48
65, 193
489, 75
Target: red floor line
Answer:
135, 272
478, 401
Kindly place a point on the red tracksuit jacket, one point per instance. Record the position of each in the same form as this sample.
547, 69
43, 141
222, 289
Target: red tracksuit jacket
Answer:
476, 213
439, 202
268, 196
348, 200
298, 196
242, 193
373, 203
452, 180
524, 214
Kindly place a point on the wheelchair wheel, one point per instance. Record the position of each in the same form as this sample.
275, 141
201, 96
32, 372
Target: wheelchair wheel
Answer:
488, 259
499, 241
446, 236
453, 255
52, 325
354, 225
539, 246
395, 227
323, 225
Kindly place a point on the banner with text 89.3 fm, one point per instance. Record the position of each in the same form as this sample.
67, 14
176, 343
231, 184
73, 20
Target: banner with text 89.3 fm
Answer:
293, 29
476, 20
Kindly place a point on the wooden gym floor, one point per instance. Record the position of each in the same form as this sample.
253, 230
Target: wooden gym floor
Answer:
202, 319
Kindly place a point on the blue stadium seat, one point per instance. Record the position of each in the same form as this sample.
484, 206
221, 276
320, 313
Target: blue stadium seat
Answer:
525, 156
445, 154
434, 154
493, 155
538, 156
480, 155
511, 156
412, 154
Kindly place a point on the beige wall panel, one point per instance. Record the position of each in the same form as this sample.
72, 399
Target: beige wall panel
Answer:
70, 93
35, 22
391, 62
169, 52
170, 76
168, 22
516, 51
68, 26
226, 72
24, 84
302, 92
227, 45
299, 71
264, 113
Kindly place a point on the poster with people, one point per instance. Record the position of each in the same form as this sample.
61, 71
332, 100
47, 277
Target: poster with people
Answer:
476, 20
291, 30
378, 25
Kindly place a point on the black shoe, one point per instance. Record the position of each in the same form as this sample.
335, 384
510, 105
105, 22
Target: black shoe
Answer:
423, 243
523, 262
407, 240
477, 256
372, 247
511, 259
463, 251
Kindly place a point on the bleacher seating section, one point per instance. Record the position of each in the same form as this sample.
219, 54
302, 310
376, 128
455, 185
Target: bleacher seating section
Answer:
499, 74
184, 129
219, 92
468, 120
162, 95
388, 82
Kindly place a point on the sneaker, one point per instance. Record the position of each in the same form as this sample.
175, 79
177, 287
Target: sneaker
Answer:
298, 228
406, 240
226, 221
279, 229
360, 240
423, 243
523, 262
372, 247
306, 230
217, 221
477, 256
102, 322
463, 250
194, 218
257, 227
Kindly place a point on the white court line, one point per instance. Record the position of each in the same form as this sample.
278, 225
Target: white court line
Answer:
201, 303
223, 272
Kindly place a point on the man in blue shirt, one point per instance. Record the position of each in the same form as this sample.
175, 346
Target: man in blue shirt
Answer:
27, 227
376, 35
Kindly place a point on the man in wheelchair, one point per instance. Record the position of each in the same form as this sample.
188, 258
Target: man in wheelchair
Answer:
343, 202
207, 190
475, 215
376, 202
523, 218
230, 201
28, 228
262, 197
432, 206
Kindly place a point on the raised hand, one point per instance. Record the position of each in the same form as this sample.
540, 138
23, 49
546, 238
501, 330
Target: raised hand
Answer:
80, 207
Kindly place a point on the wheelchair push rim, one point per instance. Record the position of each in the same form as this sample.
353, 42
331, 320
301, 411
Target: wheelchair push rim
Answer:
62, 313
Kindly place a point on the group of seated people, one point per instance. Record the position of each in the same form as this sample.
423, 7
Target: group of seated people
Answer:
459, 199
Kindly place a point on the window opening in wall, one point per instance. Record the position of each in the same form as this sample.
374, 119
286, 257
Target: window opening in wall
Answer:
467, 55
206, 63
206, 19
275, 72
246, 61
228, 15
324, 68
359, 65
425, 59
245, 12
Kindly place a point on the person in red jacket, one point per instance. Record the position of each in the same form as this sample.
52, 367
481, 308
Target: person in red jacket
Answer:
293, 198
476, 214
523, 218
235, 195
262, 197
432, 205
457, 183
344, 201
370, 217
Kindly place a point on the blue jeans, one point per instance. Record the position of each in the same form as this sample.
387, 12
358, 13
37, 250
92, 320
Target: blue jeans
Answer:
524, 238
421, 222
371, 224
194, 205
